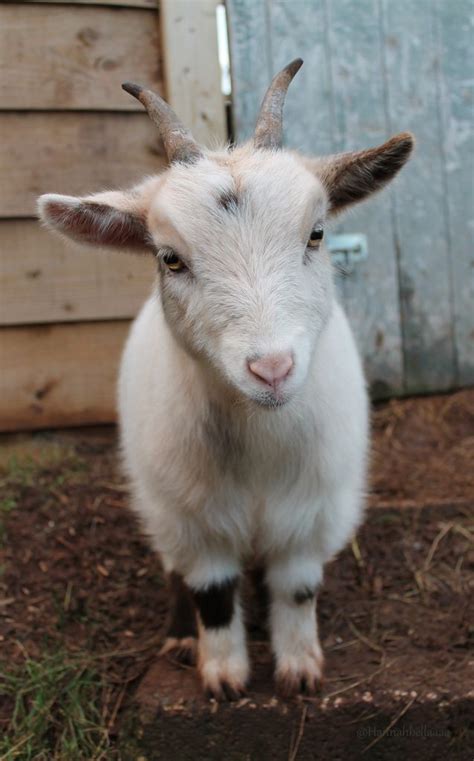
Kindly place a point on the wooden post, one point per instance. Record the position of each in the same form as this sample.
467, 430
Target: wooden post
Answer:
191, 70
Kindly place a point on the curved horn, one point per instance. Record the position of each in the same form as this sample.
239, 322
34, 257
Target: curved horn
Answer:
269, 128
178, 141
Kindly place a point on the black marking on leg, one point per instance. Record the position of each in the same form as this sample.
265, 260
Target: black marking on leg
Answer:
216, 603
183, 612
304, 595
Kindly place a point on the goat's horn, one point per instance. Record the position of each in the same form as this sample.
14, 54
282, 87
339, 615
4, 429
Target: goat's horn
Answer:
177, 140
269, 128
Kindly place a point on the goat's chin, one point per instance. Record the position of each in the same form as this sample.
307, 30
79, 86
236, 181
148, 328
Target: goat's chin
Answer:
269, 401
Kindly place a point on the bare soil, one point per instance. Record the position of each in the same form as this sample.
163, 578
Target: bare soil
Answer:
396, 612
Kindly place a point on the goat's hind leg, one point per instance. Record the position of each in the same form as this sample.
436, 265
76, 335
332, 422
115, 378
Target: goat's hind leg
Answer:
181, 637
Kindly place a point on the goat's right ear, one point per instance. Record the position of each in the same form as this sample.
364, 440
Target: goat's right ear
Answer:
112, 219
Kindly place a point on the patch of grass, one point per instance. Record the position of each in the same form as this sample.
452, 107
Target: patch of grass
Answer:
56, 711
22, 465
19, 472
7, 504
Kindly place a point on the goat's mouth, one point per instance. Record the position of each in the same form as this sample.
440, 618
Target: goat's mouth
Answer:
271, 401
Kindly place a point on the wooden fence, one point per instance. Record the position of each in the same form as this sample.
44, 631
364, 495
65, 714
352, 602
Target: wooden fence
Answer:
66, 126
372, 68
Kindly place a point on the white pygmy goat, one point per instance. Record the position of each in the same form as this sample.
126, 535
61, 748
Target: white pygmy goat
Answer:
243, 406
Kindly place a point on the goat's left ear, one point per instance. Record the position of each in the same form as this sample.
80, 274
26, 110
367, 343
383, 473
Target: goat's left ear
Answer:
352, 177
114, 219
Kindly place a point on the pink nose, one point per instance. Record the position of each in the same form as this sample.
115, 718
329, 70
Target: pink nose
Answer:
272, 369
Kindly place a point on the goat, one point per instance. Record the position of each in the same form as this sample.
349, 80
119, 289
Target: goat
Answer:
243, 406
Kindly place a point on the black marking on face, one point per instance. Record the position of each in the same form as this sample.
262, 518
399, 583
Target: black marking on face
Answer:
183, 612
304, 595
216, 603
229, 201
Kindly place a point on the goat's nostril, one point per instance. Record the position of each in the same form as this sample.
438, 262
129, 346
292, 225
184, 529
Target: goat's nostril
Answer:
272, 368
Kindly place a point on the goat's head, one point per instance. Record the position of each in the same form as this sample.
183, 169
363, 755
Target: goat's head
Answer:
244, 277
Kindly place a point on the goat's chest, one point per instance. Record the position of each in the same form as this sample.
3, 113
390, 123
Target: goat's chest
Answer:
266, 479
258, 454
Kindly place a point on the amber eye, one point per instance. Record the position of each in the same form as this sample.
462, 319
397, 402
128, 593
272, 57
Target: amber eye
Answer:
173, 262
316, 237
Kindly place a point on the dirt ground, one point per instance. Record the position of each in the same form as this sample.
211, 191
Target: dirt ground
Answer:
396, 613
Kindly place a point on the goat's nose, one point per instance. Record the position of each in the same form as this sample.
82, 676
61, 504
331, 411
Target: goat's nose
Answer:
272, 368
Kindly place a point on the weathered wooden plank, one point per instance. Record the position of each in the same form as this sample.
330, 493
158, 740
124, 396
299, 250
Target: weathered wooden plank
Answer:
73, 153
307, 116
250, 58
392, 66
120, 3
44, 278
420, 197
456, 55
76, 57
371, 290
193, 77
336, 103
59, 375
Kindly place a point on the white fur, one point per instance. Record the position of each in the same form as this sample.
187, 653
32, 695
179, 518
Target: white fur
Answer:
299, 483
223, 658
298, 654
219, 476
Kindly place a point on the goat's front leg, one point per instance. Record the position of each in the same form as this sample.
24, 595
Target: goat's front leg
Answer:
293, 581
222, 651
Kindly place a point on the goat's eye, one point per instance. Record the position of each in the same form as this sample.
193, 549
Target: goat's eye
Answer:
173, 262
316, 237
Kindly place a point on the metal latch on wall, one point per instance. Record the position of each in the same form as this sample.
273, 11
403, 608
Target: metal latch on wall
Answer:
347, 250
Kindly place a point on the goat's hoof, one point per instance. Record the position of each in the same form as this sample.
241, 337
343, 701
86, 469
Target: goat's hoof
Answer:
181, 650
225, 692
224, 681
300, 675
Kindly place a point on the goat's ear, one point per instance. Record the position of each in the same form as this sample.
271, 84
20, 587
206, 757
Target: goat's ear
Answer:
352, 177
112, 219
